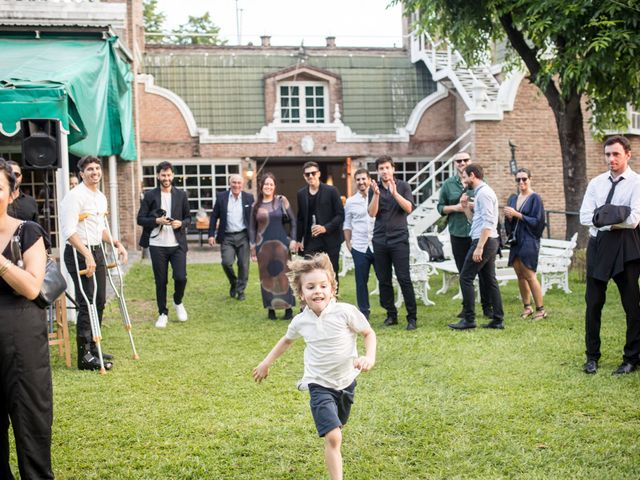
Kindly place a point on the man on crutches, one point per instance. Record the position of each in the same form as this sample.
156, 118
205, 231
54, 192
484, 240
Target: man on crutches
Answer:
82, 223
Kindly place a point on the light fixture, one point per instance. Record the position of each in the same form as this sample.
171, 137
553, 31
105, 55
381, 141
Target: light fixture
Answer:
249, 171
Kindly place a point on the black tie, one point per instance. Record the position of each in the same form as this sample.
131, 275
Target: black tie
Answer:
613, 189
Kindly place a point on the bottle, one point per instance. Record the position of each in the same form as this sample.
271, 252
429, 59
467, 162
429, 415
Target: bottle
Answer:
313, 221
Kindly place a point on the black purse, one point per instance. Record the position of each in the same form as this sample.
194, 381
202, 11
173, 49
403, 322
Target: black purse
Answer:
285, 215
53, 284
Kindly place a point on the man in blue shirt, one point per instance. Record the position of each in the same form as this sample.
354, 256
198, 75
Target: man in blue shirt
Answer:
481, 257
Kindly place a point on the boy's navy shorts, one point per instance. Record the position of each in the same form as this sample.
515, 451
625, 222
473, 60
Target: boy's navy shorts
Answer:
330, 408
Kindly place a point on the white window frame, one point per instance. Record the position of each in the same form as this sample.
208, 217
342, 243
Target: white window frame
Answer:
149, 179
302, 103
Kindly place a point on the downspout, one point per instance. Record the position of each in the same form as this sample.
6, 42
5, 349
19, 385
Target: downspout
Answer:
113, 196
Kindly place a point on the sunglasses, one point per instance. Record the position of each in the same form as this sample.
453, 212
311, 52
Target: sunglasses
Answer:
521, 179
310, 174
465, 160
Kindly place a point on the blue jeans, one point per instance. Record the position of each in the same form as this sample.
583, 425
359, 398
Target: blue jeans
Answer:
363, 263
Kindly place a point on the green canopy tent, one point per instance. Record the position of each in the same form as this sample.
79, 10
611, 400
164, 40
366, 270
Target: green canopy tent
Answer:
82, 82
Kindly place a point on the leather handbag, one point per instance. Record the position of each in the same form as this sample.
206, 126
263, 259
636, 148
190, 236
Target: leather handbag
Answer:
54, 283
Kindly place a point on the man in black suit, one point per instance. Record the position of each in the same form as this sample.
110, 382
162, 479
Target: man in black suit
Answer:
23, 207
165, 218
613, 252
233, 209
320, 217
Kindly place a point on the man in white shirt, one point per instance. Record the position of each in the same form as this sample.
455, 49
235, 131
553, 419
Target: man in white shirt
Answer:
85, 238
613, 252
165, 217
233, 209
358, 231
481, 257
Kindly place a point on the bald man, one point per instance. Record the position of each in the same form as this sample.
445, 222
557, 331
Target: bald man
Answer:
233, 209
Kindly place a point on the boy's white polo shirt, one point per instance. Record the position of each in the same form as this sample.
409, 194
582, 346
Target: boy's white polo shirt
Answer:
330, 343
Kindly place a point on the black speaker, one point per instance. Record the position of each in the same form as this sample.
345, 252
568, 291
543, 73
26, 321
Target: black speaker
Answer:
41, 143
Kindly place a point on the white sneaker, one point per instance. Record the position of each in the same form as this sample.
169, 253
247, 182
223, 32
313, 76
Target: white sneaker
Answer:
181, 312
162, 320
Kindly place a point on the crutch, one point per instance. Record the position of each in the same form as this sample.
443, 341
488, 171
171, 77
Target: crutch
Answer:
93, 311
119, 291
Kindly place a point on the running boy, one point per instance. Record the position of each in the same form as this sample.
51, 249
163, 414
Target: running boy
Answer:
331, 361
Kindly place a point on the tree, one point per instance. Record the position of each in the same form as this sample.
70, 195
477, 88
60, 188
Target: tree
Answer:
198, 25
574, 51
153, 19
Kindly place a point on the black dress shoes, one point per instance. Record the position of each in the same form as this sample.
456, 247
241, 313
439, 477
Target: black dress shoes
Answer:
495, 324
411, 325
89, 362
390, 321
288, 314
271, 314
233, 292
625, 368
462, 325
241, 296
590, 367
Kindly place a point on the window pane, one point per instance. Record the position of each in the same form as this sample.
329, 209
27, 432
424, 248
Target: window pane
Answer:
320, 102
308, 91
234, 169
284, 91
220, 170
206, 181
295, 102
205, 169
295, 91
192, 181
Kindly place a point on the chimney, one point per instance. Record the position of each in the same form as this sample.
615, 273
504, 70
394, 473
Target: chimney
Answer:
266, 40
331, 42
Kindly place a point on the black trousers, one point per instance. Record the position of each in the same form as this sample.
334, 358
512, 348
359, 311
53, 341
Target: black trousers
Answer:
161, 257
334, 256
459, 247
486, 271
236, 245
83, 327
26, 396
389, 258
595, 298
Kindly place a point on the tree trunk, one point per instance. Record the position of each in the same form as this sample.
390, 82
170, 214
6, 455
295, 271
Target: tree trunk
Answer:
570, 124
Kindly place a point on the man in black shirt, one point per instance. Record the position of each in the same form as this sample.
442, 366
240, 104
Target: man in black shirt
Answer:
390, 201
23, 207
320, 216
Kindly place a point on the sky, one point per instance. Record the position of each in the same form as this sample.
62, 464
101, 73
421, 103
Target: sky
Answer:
354, 23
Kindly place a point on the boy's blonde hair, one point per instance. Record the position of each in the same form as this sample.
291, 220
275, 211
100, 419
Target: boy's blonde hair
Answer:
300, 266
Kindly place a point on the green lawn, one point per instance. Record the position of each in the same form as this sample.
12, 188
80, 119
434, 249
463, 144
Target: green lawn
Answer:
438, 404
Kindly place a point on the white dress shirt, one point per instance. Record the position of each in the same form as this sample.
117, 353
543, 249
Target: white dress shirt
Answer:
330, 343
163, 235
357, 219
626, 193
235, 218
485, 212
79, 201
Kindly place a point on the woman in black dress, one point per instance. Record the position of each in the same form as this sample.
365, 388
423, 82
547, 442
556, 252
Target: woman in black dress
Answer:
25, 375
270, 245
524, 220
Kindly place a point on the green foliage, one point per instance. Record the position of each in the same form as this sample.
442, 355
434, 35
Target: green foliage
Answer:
153, 19
582, 47
438, 404
199, 25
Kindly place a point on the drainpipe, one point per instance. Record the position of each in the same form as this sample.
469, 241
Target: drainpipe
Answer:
113, 196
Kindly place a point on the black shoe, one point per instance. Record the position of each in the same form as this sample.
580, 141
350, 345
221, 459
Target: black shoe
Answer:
462, 325
590, 367
89, 362
233, 292
624, 368
495, 324
411, 325
271, 314
105, 356
390, 321
241, 296
288, 314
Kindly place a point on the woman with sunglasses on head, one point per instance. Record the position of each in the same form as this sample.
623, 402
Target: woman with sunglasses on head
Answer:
524, 224
26, 397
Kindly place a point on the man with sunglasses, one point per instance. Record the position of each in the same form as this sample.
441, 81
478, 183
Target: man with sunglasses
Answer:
23, 207
320, 216
459, 227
